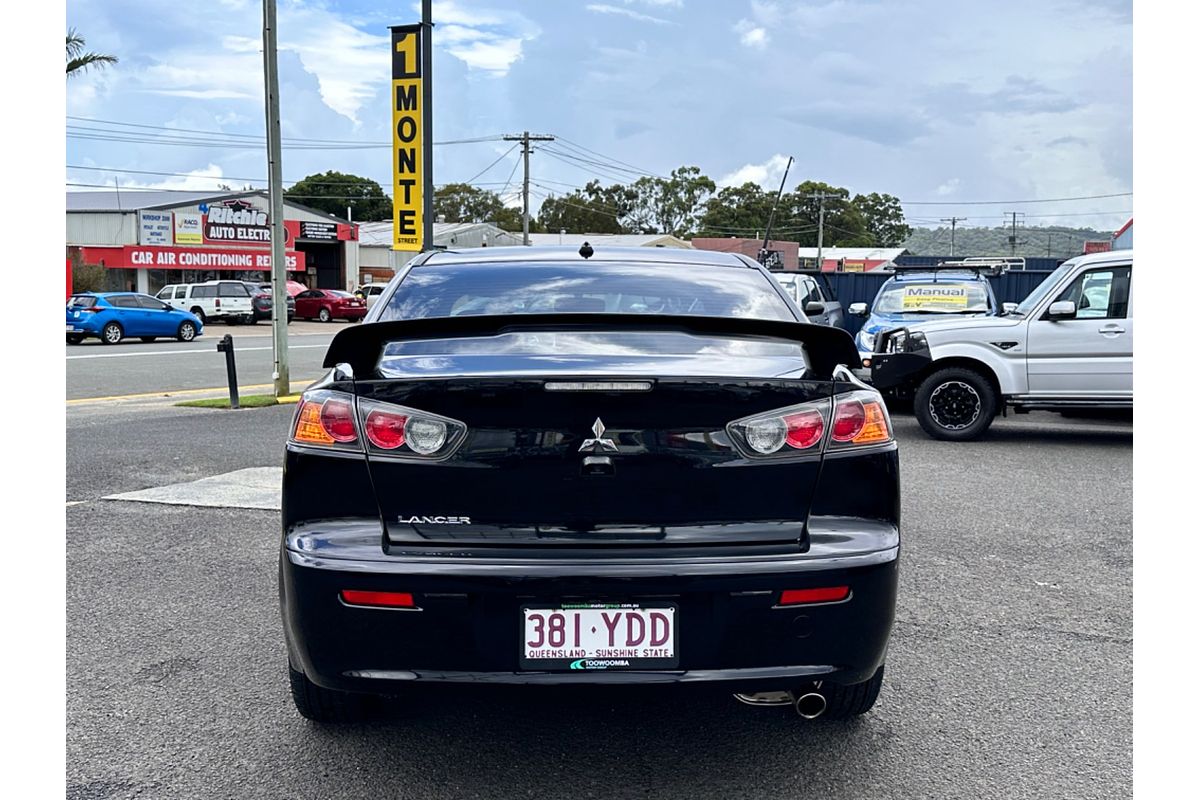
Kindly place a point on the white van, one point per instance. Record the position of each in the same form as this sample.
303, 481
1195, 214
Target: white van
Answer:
226, 300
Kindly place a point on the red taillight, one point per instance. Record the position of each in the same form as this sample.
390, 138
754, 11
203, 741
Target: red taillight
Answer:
356, 597
218, 303
804, 429
848, 420
826, 594
386, 430
337, 418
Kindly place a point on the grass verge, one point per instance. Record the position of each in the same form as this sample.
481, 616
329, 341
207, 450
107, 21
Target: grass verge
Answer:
245, 401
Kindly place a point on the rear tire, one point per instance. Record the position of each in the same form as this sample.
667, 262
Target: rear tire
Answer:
187, 331
843, 701
955, 404
112, 333
324, 705
74, 338
198, 313
325, 315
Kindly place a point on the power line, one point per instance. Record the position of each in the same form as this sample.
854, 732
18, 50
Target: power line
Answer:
571, 144
1010, 202
489, 166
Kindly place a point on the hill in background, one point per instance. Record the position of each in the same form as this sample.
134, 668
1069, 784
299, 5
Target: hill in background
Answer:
1062, 242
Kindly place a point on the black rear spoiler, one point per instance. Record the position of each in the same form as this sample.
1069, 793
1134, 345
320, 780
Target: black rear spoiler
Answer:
361, 345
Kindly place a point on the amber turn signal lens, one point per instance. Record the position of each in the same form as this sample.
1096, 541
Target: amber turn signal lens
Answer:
308, 425
875, 426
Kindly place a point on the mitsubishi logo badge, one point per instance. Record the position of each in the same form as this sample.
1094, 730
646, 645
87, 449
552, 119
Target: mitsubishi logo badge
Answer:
598, 443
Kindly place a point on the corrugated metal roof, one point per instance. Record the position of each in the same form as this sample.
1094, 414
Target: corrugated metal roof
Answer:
379, 234
134, 200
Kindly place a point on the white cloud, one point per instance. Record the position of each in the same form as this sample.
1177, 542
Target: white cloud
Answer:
484, 39
203, 94
752, 35
600, 8
495, 56
768, 174
948, 188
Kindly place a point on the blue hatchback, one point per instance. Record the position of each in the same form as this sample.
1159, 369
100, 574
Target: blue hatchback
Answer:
112, 316
918, 295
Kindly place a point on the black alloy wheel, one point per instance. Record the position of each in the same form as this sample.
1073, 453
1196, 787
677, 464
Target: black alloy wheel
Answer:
112, 333
955, 404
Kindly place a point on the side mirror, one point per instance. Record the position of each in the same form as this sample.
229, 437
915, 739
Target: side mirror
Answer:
1009, 307
857, 310
1062, 309
814, 308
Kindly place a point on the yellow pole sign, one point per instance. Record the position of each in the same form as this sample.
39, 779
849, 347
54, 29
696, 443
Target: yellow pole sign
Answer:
408, 167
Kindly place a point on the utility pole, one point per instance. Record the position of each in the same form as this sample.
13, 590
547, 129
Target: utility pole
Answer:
953, 224
427, 123
525, 138
280, 376
1012, 238
821, 224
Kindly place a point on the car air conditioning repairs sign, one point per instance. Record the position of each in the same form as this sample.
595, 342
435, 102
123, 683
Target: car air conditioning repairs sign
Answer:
189, 227
934, 295
408, 171
155, 227
136, 256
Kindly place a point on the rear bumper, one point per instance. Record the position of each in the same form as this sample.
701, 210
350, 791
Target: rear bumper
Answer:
467, 629
357, 312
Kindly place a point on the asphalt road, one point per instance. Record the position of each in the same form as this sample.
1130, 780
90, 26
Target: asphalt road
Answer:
1009, 672
133, 368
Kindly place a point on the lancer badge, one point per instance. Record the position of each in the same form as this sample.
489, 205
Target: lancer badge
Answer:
598, 443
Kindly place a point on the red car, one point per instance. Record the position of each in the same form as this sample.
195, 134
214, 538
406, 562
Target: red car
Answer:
329, 304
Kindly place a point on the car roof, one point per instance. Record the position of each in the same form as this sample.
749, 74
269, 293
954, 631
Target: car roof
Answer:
601, 254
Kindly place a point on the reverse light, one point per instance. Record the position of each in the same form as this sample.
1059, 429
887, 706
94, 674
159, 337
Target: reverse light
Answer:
824, 594
356, 597
425, 436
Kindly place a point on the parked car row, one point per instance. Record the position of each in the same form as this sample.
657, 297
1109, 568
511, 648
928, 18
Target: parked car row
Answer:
329, 304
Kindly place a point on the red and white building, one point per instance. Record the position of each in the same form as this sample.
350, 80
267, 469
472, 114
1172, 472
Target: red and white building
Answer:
147, 239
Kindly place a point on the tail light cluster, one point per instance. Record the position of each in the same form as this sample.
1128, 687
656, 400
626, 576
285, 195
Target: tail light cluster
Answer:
853, 419
335, 420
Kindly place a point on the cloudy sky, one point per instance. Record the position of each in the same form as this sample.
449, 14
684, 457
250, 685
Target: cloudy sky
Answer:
934, 101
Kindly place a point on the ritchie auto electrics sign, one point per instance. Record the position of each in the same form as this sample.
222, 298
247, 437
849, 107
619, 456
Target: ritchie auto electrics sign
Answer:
236, 221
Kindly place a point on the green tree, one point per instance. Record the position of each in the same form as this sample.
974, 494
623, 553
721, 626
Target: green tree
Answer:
592, 209
78, 62
461, 202
669, 205
884, 218
333, 192
844, 225
736, 211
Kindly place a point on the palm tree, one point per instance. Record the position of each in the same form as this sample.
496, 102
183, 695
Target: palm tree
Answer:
77, 60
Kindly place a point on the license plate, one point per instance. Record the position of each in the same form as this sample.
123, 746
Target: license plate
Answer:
70, 328
599, 636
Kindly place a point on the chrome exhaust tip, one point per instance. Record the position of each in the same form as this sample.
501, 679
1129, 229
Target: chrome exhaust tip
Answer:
811, 705
763, 699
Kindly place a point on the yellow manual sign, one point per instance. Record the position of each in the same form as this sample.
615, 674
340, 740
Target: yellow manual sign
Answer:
408, 168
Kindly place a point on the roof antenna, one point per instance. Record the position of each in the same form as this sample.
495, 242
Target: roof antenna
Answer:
763, 255
586, 251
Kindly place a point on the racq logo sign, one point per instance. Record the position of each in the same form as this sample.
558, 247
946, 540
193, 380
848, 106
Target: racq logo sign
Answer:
236, 221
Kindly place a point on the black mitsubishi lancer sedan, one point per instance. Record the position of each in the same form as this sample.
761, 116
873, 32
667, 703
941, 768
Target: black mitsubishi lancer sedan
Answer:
596, 467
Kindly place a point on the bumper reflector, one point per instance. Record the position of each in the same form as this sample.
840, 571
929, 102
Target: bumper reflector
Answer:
827, 594
355, 597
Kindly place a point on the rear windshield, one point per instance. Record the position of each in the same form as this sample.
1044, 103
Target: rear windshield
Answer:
81, 301
337, 293
592, 352
480, 289
933, 297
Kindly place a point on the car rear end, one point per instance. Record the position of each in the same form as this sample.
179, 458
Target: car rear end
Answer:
85, 316
590, 498
346, 306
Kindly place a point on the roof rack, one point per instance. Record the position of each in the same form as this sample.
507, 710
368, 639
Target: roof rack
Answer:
992, 266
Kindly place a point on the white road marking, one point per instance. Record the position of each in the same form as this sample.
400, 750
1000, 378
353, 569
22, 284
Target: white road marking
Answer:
255, 487
76, 502
205, 350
